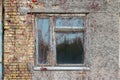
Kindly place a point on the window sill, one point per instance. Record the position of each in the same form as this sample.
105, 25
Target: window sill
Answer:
61, 68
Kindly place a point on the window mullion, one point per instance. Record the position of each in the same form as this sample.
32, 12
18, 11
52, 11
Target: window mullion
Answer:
53, 56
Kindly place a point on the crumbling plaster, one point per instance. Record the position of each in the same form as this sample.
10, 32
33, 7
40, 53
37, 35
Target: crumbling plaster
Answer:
102, 38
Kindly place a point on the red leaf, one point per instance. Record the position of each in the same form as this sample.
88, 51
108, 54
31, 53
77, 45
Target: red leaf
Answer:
34, 0
43, 69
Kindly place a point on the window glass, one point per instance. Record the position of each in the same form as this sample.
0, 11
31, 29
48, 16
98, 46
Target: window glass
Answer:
69, 48
66, 43
43, 39
69, 22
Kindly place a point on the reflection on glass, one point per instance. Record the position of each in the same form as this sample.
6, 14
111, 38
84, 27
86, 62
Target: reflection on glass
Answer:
43, 38
69, 22
69, 48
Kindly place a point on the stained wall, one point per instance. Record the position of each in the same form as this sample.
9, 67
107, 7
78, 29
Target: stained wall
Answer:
102, 39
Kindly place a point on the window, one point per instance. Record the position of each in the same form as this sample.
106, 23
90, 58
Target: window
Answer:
60, 39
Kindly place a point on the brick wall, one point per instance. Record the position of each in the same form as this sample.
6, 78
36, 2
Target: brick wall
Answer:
18, 43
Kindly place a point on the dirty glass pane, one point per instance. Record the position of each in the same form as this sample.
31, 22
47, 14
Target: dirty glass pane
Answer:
73, 22
69, 48
43, 39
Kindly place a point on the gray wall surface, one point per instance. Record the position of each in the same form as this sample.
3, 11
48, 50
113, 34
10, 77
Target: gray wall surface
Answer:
102, 38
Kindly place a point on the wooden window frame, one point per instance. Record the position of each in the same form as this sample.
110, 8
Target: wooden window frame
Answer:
54, 30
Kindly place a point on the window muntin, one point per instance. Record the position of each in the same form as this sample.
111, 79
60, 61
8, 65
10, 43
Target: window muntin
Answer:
56, 28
